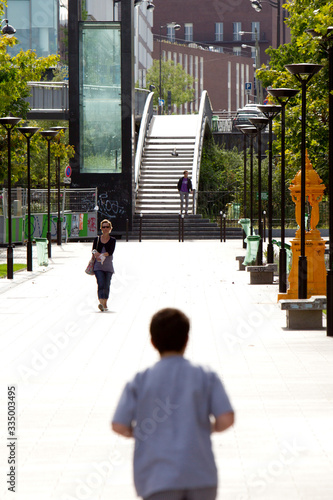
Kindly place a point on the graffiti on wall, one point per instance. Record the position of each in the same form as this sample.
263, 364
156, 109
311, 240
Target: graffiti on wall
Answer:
109, 208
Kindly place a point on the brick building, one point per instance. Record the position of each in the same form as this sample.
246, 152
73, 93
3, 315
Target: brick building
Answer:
222, 75
216, 26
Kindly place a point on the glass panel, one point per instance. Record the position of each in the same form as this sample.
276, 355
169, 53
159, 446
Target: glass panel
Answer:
237, 27
171, 34
255, 28
219, 32
188, 32
100, 98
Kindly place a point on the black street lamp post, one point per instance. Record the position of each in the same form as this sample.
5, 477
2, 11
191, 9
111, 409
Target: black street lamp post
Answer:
270, 111
48, 135
283, 96
240, 127
251, 132
9, 122
259, 124
303, 72
28, 132
58, 129
326, 43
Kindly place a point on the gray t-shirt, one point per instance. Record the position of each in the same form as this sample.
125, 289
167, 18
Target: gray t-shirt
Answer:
107, 264
169, 406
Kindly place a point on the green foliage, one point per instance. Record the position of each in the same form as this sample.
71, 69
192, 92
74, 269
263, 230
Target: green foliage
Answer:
174, 78
221, 169
15, 73
303, 15
17, 267
38, 156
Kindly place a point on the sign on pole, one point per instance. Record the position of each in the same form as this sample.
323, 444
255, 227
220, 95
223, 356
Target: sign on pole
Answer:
248, 87
68, 171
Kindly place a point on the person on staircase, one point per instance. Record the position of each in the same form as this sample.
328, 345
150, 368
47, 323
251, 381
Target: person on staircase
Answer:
184, 188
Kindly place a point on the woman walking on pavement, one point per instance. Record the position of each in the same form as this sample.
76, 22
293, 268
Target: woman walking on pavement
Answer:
103, 248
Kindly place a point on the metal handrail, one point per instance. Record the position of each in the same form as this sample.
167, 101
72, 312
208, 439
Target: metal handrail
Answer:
145, 121
205, 116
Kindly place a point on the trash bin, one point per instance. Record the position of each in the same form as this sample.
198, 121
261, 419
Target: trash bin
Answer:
42, 253
245, 223
236, 210
251, 250
215, 121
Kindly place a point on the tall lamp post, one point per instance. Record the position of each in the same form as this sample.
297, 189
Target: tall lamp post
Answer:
326, 42
256, 4
58, 129
270, 111
239, 127
175, 27
251, 132
283, 96
259, 124
303, 72
9, 122
259, 92
48, 136
28, 132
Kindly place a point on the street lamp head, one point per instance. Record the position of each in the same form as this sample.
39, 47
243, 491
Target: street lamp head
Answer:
59, 128
248, 130
28, 132
7, 29
269, 110
303, 71
48, 134
256, 4
173, 25
8, 122
283, 93
259, 123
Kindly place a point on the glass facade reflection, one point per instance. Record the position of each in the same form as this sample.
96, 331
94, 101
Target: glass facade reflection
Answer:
36, 24
100, 97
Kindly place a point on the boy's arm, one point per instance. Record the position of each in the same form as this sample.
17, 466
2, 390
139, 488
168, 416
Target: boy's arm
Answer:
223, 422
122, 429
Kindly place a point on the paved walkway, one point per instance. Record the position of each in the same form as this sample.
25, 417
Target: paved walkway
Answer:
69, 363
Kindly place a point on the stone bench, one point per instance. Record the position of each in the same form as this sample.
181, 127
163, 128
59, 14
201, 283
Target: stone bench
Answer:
240, 259
304, 314
262, 275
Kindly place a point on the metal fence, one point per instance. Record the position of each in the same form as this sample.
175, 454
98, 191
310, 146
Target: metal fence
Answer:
212, 203
74, 200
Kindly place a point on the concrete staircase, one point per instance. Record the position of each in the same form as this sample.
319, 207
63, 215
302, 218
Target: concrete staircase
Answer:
168, 151
167, 227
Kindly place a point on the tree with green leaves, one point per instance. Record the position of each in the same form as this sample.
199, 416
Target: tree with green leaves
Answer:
173, 78
303, 15
15, 73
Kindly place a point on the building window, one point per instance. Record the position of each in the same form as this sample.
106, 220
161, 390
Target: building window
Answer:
255, 28
171, 34
188, 32
237, 27
218, 32
237, 51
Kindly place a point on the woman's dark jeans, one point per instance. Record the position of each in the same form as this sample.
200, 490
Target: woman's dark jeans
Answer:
103, 283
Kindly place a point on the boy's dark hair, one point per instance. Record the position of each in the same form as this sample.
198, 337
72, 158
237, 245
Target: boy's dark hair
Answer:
169, 330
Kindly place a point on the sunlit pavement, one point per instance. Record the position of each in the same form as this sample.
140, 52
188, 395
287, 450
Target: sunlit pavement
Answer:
68, 362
